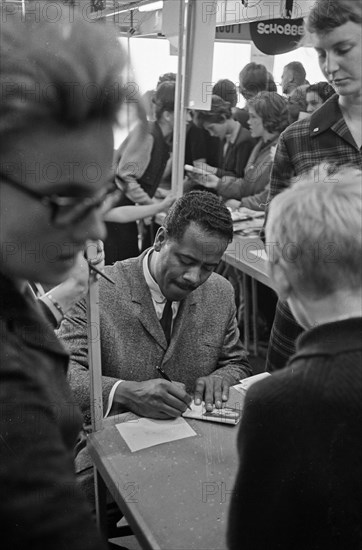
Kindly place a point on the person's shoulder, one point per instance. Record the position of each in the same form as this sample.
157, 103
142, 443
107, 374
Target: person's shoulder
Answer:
244, 135
242, 116
121, 272
296, 129
217, 284
273, 387
17, 364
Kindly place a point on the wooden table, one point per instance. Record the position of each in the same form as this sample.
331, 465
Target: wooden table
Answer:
175, 495
247, 255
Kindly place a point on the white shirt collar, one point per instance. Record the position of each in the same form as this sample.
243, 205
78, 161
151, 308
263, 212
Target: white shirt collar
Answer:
155, 290
158, 299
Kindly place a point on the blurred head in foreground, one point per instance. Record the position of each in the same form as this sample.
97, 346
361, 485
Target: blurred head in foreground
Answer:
314, 243
61, 91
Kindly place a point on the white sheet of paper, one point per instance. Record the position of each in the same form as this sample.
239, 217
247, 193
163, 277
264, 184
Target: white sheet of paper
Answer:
147, 432
247, 382
260, 253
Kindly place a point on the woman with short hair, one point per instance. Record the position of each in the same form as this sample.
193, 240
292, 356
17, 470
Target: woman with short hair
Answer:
332, 135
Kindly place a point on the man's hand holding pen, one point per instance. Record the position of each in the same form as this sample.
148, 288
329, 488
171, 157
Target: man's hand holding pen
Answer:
156, 398
165, 376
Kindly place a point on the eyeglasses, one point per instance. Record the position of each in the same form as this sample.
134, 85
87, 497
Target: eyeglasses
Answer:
69, 210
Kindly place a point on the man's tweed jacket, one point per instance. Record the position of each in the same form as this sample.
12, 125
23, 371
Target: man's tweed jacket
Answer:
205, 336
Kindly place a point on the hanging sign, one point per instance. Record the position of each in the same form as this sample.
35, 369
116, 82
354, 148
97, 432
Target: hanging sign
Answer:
236, 33
276, 36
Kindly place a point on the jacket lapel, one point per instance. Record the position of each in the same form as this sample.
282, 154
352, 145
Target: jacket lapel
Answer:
143, 305
183, 318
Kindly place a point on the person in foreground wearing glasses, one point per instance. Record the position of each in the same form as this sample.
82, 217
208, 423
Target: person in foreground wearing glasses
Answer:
56, 155
299, 483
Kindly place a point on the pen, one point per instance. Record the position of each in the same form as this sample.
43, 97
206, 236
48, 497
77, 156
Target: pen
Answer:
93, 268
165, 376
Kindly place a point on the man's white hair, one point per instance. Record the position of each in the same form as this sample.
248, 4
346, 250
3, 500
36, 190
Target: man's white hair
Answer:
315, 229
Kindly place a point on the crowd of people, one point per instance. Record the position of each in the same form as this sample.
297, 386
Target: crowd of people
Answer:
295, 156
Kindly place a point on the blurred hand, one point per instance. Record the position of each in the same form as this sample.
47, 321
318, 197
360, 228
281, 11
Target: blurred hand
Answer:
167, 202
205, 167
233, 204
94, 254
207, 180
94, 251
148, 220
78, 277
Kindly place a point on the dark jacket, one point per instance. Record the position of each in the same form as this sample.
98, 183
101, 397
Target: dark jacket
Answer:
299, 484
151, 178
40, 506
233, 162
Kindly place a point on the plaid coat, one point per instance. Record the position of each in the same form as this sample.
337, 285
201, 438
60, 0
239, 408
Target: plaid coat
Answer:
323, 139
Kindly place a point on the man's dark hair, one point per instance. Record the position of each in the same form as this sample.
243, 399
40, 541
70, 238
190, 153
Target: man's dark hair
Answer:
255, 78
226, 89
327, 15
323, 89
220, 111
204, 209
167, 77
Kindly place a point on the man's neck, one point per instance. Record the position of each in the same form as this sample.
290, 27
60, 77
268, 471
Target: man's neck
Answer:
337, 307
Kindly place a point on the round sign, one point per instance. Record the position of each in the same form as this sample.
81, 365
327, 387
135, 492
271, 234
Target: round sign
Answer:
276, 36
